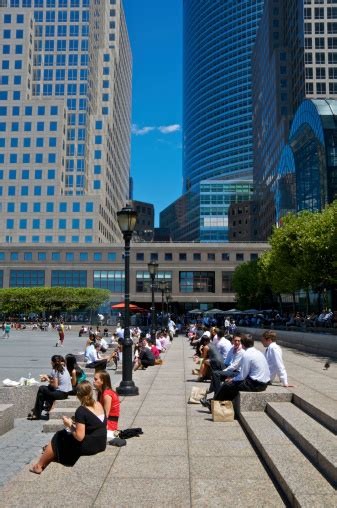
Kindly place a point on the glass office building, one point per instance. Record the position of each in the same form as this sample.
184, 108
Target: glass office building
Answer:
217, 94
217, 114
308, 167
65, 96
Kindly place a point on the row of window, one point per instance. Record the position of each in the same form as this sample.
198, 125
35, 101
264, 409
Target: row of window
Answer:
111, 256
189, 282
56, 256
49, 223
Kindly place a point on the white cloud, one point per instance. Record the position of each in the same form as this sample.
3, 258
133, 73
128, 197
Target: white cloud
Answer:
168, 129
141, 131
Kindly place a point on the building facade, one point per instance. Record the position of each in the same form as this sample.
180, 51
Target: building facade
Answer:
308, 167
217, 106
196, 274
145, 221
242, 222
294, 58
65, 96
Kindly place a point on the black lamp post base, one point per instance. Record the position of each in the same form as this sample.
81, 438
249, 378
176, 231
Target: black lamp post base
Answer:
127, 389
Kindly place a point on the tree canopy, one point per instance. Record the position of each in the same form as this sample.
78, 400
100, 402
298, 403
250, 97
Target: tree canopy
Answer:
51, 300
303, 256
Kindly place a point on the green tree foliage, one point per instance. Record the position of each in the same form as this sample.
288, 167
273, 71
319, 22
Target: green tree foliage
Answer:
250, 285
303, 256
51, 300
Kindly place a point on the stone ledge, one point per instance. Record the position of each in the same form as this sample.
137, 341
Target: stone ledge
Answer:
22, 398
257, 401
6, 418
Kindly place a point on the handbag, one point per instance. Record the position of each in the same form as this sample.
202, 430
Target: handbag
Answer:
197, 393
222, 411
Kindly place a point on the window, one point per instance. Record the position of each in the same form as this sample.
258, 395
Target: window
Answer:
143, 281
197, 282
97, 256
69, 278
111, 256
41, 256
211, 256
14, 256
196, 256
26, 278
84, 256
27, 256
254, 256
55, 256
140, 256
168, 256
239, 256
227, 278
153, 256
182, 256
109, 279
69, 256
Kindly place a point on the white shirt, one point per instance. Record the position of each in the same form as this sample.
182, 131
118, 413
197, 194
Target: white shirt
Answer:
91, 354
233, 359
171, 326
273, 354
224, 346
254, 365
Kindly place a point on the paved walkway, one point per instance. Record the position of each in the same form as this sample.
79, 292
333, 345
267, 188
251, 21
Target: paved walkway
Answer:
182, 460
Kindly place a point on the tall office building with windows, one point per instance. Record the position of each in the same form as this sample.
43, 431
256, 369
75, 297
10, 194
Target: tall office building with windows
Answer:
294, 58
65, 100
217, 108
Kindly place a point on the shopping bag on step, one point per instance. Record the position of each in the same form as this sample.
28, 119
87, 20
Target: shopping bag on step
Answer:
197, 393
222, 411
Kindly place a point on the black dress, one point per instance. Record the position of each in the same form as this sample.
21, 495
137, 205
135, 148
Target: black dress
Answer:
68, 450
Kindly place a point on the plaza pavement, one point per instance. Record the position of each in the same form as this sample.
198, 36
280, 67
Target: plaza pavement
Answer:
183, 459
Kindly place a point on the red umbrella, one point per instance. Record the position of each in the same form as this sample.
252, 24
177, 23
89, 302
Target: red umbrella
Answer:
132, 307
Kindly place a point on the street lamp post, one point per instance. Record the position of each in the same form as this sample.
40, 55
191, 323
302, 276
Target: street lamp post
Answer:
162, 286
153, 268
127, 218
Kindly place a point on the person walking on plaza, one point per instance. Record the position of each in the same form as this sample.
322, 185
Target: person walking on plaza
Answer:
273, 354
60, 329
172, 328
7, 329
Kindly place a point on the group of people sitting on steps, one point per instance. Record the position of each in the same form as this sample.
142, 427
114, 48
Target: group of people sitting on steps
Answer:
96, 419
232, 364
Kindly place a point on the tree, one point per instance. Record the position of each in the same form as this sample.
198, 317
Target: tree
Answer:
52, 300
250, 285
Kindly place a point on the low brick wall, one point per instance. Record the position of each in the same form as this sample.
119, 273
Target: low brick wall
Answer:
317, 343
22, 398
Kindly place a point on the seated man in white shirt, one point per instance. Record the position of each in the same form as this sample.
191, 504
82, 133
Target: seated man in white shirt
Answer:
93, 360
254, 375
232, 363
223, 345
273, 354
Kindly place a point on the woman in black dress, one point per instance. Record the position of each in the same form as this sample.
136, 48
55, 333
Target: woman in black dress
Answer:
86, 436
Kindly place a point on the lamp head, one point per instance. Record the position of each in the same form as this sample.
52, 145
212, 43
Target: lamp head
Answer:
153, 268
127, 219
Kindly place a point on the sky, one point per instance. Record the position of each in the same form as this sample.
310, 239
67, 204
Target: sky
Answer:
155, 32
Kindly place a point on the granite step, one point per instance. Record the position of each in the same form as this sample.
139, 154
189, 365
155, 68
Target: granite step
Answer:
318, 406
301, 483
69, 402
311, 437
58, 412
53, 426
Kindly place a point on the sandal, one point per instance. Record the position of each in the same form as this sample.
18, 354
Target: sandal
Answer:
32, 418
35, 468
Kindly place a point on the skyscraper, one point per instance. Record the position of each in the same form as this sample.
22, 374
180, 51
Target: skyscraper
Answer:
294, 58
218, 41
65, 98
217, 112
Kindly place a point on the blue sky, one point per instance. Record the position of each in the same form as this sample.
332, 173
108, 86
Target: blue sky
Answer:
155, 31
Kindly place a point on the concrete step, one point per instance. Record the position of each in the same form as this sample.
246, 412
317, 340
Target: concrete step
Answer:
318, 406
311, 437
302, 484
58, 412
53, 426
69, 402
